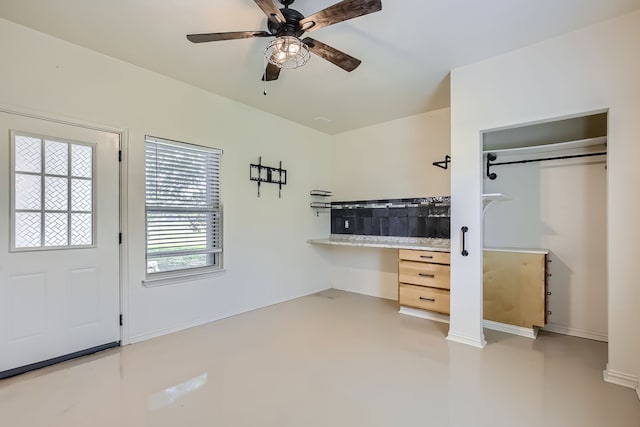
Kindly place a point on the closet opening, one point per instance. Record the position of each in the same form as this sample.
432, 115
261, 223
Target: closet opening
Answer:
545, 228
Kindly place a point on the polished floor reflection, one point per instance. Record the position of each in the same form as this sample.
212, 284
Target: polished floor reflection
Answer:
331, 359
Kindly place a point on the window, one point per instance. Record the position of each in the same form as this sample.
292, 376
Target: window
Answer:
52, 193
183, 215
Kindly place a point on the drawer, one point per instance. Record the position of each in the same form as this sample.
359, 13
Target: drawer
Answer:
425, 256
425, 274
424, 298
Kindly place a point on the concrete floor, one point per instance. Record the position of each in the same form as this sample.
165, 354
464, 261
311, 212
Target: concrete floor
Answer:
330, 359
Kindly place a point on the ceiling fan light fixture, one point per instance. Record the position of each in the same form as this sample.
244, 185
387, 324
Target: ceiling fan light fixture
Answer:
287, 52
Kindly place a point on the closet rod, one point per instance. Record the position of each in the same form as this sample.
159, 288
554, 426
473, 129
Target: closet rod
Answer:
491, 157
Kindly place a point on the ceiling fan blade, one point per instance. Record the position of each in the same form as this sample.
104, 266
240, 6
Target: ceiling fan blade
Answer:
271, 73
339, 12
333, 55
214, 37
270, 9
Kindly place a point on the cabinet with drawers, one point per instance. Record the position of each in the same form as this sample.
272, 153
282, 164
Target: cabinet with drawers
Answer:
515, 287
423, 280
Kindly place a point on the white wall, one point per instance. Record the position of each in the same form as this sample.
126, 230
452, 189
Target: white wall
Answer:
588, 70
265, 254
561, 206
385, 161
393, 159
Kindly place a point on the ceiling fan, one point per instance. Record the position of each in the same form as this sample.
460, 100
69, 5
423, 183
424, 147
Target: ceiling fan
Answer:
287, 25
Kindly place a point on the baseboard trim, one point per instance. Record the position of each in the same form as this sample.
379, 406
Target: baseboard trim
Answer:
429, 315
576, 332
531, 333
366, 292
199, 322
621, 378
464, 339
165, 331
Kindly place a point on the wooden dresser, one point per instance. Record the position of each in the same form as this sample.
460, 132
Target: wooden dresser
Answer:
423, 280
515, 287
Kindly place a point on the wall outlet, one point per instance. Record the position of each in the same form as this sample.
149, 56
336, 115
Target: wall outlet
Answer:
346, 224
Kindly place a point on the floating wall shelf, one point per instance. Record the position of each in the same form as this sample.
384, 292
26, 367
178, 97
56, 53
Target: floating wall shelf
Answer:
320, 206
489, 198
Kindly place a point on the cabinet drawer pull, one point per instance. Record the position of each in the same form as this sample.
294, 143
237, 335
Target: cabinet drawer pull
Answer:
428, 299
426, 275
426, 256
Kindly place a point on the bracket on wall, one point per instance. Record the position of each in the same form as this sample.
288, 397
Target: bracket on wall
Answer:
268, 174
444, 164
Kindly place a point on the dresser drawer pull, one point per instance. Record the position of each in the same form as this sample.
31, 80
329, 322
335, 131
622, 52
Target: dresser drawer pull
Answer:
426, 275
426, 256
428, 299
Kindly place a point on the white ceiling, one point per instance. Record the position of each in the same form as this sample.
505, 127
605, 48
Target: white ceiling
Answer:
407, 49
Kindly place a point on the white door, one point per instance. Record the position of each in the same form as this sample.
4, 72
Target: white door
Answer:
59, 248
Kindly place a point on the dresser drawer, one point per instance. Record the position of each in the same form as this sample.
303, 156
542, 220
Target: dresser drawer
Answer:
425, 256
425, 274
424, 298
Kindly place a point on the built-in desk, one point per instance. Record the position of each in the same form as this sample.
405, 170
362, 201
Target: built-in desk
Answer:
515, 281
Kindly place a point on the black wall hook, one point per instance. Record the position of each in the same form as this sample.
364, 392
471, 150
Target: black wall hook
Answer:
444, 164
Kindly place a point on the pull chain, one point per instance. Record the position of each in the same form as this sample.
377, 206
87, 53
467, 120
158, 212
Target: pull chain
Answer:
264, 76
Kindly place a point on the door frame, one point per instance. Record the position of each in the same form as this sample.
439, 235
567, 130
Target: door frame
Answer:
123, 141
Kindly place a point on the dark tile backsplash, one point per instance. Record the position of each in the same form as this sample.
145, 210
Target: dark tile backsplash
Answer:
421, 217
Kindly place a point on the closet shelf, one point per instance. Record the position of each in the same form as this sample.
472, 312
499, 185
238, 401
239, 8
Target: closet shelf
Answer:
320, 193
545, 148
320, 205
489, 198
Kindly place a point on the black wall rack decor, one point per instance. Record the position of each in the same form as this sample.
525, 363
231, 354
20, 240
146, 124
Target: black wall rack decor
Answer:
492, 156
260, 173
444, 164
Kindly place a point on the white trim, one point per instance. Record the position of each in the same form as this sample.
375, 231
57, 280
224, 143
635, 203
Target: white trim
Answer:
463, 339
387, 296
181, 278
429, 315
64, 120
576, 332
511, 329
126, 291
621, 378
187, 145
164, 331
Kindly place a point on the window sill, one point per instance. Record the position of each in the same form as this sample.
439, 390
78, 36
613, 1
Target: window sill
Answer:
171, 279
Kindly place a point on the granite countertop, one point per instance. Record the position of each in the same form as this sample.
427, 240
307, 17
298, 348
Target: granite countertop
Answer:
519, 250
390, 242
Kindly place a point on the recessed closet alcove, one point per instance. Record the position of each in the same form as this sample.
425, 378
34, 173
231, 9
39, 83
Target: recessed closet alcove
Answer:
549, 181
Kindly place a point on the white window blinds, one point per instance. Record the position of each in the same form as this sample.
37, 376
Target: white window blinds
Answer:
183, 215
